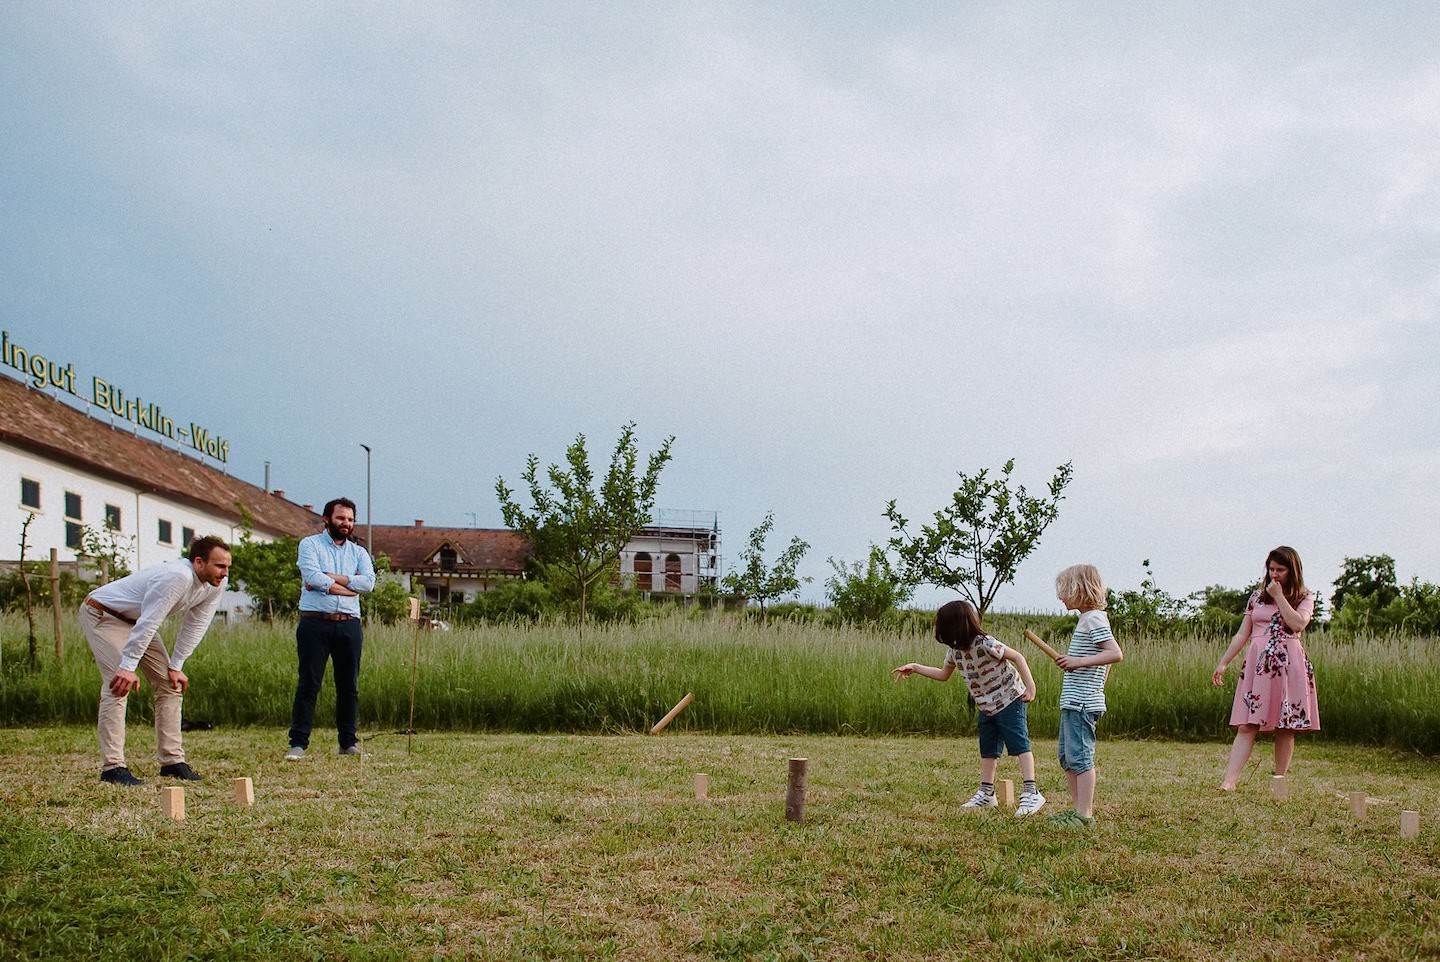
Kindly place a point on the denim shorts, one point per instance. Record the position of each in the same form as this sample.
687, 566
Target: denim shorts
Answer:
1077, 740
1009, 727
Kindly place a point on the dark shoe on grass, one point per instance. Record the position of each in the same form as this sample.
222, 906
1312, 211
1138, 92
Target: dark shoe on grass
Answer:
119, 776
180, 770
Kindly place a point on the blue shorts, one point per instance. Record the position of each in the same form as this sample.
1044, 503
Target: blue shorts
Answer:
1008, 727
1077, 740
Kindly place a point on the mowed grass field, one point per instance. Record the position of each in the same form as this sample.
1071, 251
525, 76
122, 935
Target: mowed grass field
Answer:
553, 846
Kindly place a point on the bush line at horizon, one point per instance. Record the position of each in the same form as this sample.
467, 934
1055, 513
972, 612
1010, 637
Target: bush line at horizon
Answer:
747, 679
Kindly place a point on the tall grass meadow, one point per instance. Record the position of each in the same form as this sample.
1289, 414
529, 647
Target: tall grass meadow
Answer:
747, 678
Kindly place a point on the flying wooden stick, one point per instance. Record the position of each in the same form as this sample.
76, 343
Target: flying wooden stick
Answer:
670, 716
1038, 642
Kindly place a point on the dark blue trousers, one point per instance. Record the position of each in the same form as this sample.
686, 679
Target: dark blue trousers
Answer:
316, 642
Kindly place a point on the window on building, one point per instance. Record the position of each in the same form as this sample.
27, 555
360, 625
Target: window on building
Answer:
74, 526
112, 517
672, 572
187, 537
30, 494
166, 533
643, 567
447, 558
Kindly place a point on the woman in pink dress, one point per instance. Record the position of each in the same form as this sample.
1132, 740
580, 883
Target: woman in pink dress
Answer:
1276, 692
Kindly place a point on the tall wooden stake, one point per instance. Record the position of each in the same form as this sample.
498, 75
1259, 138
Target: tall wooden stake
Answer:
414, 667
55, 603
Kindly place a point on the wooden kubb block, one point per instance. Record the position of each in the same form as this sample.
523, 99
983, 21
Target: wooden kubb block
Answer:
1409, 824
244, 791
173, 800
1005, 793
1279, 787
702, 785
1358, 805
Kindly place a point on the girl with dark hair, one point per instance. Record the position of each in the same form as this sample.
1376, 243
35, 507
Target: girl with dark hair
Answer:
1276, 691
1000, 682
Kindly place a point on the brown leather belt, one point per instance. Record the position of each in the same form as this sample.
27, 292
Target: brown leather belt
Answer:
327, 616
109, 611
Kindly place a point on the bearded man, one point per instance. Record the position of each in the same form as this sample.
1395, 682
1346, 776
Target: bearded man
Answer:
334, 573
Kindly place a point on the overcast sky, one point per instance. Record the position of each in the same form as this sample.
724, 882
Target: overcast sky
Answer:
841, 251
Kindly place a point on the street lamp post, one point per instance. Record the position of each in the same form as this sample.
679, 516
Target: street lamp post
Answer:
369, 523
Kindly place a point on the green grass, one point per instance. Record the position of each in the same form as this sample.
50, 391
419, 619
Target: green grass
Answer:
515, 846
747, 679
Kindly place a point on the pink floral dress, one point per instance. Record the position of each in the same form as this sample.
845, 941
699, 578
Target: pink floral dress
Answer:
1277, 684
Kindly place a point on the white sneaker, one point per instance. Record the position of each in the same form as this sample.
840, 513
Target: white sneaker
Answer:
981, 799
1030, 803
295, 753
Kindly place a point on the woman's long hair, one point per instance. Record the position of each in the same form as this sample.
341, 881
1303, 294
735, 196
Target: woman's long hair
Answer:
1295, 586
957, 625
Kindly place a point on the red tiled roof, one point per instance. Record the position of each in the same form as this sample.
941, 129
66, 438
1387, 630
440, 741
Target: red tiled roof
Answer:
38, 423
411, 548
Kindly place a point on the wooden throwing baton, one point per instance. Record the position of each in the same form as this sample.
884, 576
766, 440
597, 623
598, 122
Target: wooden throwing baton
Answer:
1039, 642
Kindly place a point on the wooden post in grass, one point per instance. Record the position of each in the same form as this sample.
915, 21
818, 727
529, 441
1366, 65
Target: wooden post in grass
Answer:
244, 791
1038, 642
55, 603
795, 790
670, 715
702, 786
1005, 793
1357, 805
414, 667
1279, 787
174, 801
1409, 824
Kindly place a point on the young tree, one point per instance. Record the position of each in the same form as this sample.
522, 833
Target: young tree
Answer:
576, 529
268, 573
1152, 611
758, 583
110, 549
976, 542
866, 593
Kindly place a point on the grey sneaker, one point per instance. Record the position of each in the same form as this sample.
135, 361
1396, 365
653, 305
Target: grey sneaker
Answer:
295, 753
352, 750
1030, 803
981, 799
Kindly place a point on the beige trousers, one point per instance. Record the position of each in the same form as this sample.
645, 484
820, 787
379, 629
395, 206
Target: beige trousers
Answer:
107, 636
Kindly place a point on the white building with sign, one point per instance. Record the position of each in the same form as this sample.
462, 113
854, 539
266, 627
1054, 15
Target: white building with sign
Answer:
76, 478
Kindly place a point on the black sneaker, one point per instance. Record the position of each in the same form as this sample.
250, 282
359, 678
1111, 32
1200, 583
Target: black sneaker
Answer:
180, 770
119, 776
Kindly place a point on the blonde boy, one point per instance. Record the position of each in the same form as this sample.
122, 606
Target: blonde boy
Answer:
1082, 694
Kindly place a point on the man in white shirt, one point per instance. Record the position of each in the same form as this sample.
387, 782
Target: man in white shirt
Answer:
121, 621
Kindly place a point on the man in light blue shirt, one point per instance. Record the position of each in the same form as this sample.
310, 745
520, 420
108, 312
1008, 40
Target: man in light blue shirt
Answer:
334, 573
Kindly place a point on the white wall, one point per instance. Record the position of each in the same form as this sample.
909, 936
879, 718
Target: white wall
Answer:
658, 548
140, 513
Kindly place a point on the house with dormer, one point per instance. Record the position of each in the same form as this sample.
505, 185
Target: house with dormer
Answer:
450, 566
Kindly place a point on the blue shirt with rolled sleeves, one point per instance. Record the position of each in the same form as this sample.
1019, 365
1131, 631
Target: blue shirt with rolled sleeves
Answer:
318, 554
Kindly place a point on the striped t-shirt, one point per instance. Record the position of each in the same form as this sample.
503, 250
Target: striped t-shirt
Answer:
994, 683
1084, 688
